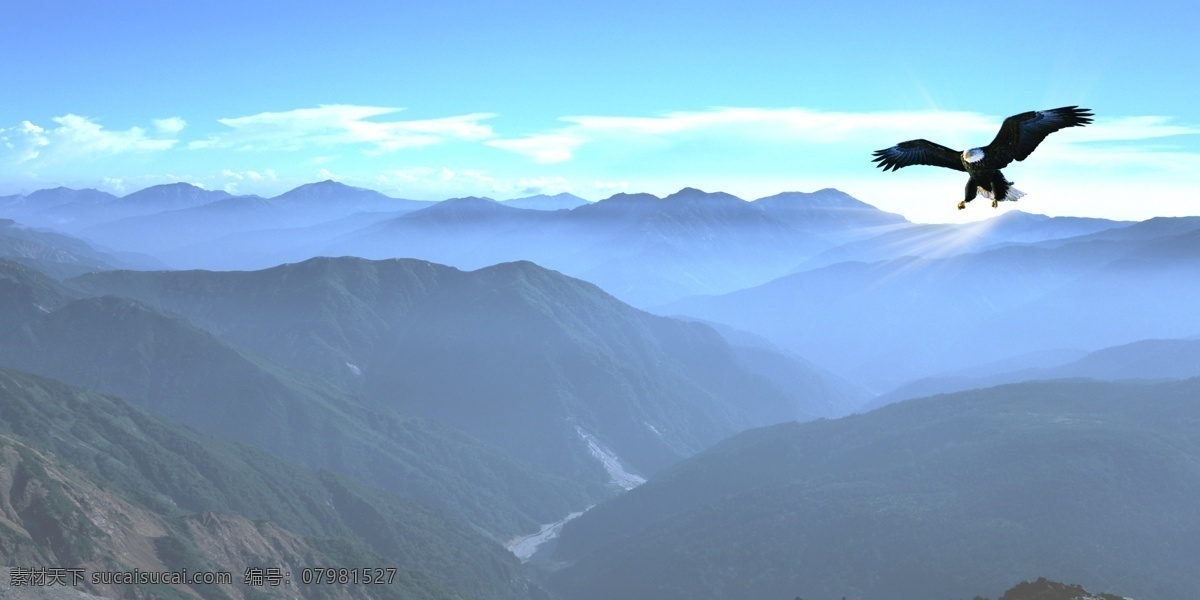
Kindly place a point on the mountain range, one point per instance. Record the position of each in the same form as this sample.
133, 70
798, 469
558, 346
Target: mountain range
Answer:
426, 384
643, 249
163, 363
891, 321
513, 354
1143, 360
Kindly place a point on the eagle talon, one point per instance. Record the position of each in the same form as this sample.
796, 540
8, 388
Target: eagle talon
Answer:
995, 203
962, 205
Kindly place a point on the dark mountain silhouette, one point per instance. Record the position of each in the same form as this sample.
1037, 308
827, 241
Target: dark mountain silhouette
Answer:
1045, 589
948, 496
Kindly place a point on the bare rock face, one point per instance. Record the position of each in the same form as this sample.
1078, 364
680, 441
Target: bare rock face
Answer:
53, 516
1045, 589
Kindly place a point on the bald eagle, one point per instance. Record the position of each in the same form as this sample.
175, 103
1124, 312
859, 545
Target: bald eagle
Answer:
1018, 137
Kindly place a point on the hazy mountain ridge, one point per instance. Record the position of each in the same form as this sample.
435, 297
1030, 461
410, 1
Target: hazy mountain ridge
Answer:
310, 204
1144, 359
116, 345
941, 241
640, 247
54, 253
893, 321
946, 496
26, 293
635, 246
370, 325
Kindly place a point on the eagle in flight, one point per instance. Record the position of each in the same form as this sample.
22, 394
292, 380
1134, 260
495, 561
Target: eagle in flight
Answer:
1018, 137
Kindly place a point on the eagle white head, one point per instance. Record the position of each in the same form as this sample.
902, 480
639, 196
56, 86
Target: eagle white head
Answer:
973, 155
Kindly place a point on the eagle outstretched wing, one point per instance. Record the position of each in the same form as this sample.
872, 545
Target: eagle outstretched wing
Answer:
917, 152
1021, 134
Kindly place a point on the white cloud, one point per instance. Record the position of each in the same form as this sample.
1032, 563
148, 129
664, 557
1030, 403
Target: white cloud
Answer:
25, 141
266, 175
169, 125
806, 128
75, 136
1131, 128
611, 186
332, 125
80, 135
785, 125
543, 148
325, 174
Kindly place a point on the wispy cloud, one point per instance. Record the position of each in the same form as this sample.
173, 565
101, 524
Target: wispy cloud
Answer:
774, 125
800, 126
342, 124
81, 135
24, 142
76, 136
546, 148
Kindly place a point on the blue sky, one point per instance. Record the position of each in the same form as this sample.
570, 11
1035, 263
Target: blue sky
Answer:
434, 100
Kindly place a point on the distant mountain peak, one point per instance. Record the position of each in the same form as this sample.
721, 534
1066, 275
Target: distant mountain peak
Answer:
471, 200
64, 195
559, 201
822, 198
175, 192
628, 197
329, 190
466, 203
693, 194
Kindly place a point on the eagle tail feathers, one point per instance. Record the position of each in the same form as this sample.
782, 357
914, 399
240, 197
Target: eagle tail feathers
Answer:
1012, 196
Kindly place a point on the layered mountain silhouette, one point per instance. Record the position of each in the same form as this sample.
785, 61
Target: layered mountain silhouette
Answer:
514, 354
643, 249
306, 205
434, 379
61, 255
949, 496
1141, 360
163, 363
888, 322
940, 241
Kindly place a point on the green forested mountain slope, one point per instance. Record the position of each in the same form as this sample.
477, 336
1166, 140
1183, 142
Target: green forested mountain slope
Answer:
514, 354
161, 362
948, 496
175, 476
